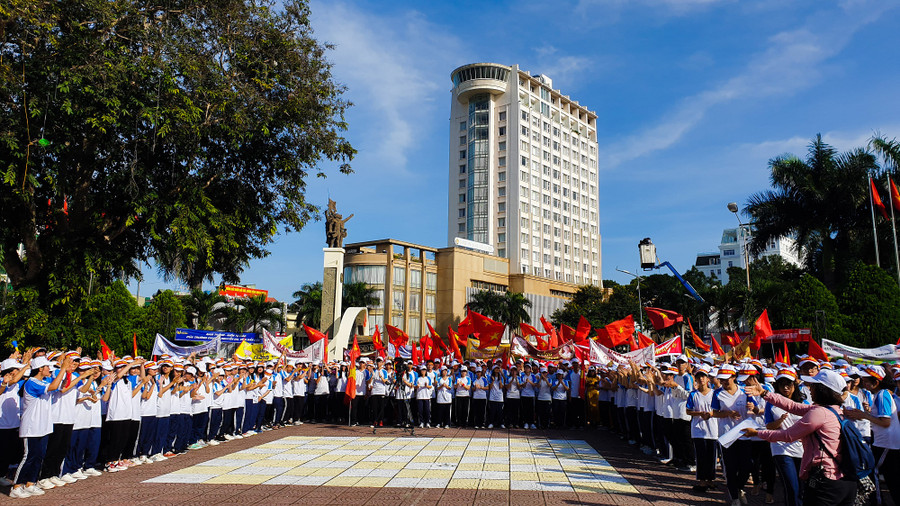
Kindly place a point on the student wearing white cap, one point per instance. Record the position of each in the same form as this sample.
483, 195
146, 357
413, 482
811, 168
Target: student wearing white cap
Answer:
480, 388
445, 387
300, 388
149, 405
165, 383
495, 399
463, 396
527, 389
424, 390
35, 425
63, 415
884, 422
787, 455
118, 416
704, 429
729, 405
379, 385
83, 436
544, 399
12, 372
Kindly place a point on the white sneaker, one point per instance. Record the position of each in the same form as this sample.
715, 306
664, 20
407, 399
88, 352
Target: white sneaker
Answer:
78, 475
238, 436
213, 442
503, 426
19, 493
229, 437
136, 462
46, 484
145, 459
491, 426
92, 472
68, 478
34, 490
159, 457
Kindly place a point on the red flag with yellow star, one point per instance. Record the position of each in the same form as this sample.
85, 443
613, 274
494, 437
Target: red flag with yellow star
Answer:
661, 318
620, 331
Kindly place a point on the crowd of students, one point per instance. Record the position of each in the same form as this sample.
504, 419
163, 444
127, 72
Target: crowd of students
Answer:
65, 418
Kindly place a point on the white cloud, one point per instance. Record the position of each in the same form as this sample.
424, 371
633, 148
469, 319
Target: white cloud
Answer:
676, 7
567, 71
790, 63
393, 66
798, 145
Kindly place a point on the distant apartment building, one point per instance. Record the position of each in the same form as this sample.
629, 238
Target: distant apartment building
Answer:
733, 248
523, 174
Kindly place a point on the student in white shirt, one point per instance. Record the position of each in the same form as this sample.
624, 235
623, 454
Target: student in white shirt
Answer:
12, 372
444, 398
300, 388
81, 428
704, 429
36, 425
544, 399
149, 403
217, 388
787, 455
424, 391
527, 381
165, 383
463, 396
495, 399
480, 387
379, 385
729, 405
63, 415
559, 386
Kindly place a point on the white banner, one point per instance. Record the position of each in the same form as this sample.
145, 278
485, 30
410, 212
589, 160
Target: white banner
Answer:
162, 346
312, 353
602, 355
880, 354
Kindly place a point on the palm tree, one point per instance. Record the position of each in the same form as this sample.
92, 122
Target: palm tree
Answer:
822, 202
262, 314
509, 308
235, 318
203, 308
889, 150
358, 294
308, 304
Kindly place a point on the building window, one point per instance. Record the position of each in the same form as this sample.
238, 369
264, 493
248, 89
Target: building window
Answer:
462, 140
415, 278
430, 306
462, 198
398, 300
368, 274
462, 126
462, 213
502, 131
415, 325
728, 252
501, 253
462, 169
501, 192
524, 116
501, 222
501, 207
461, 228
524, 162
462, 154
397, 321
502, 146
484, 285
431, 281
501, 237
399, 276
462, 184
502, 116
501, 162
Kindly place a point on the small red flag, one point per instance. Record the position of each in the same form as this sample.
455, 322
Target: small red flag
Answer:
379, 345
313, 334
716, 347
527, 331
415, 355
603, 338
396, 336
104, 350
876, 200
761, 330
732, 338
895, 195
425, 345
567, 333
454, 345
465, 328
698, 342
583, 330
553, 342
620, 330
786, 356
816, 351
134, 338
661, 318
644, 340
350, 390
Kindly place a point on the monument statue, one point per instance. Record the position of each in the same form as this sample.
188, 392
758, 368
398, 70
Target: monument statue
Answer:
335, 231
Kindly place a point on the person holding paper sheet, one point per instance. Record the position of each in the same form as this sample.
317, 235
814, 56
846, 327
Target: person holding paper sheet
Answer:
729, 405
787, 455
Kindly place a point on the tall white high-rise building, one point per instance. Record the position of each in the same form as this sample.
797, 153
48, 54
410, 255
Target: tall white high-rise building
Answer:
733, 248
523, 173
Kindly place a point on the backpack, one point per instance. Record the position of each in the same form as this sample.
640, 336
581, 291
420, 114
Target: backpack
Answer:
857, 459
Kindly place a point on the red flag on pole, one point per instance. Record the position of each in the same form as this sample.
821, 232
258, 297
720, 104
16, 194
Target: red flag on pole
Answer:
661, 318
732, 338
379, 345
697, 341
895, 195
716, 347
313, 334
553, 342
465, 328
583, 330
567, 333
453, 343
350, 390
396, 336
620, 330
527, 331
134, 338
644, 341
876, 200
761, 329
415, 355
603, 338
786, 356
816, 351
489, 331
104, 350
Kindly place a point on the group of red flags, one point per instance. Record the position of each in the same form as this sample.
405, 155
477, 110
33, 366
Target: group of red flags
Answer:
876, 199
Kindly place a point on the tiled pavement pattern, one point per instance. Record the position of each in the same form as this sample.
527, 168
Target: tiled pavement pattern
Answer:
535, 464
653, 483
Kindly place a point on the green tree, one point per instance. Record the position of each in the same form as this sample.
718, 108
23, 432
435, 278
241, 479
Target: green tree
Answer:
308, 304
260, 314
203, 308
821, 201
515, 311
21, 318
162, 315
180, 131
508, 308
597, 306
358, 294
812, 305
114, 315
489, 303
871, 303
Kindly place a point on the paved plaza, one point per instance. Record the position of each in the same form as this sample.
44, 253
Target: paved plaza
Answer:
328, 464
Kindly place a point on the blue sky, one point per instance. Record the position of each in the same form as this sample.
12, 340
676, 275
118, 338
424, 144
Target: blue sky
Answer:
693, 97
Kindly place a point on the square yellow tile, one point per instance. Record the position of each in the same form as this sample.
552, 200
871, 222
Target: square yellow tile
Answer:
543, 461
439, 474
328, 471
327, 458
493, 485
372, 481
520, 476
240, 479
588, 489
411, 473
423, 460
619, 488
276, 463
301, 471
366, 465
407, 453
467, 483
349, 458
447, 460
206, 470
392, 465
496, 467
522, 461
470, 467
342, 481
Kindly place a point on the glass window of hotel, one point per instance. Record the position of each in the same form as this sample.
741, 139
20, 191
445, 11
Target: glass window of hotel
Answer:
378, 294
501, 162
524, 116
501, 192
502, 146
376, 319
501, 207
462, 154
462, 227
398, 300
525, 131
502, 116
501, 237
462, 198
415, 327
415, 302
501, 222
368, 274
430, 306
462, 140
399, 276
462, 183
462, 169
501, 253
431, 281
397, 321
502, 131
462, 213
524, 238
415, 278
524, 161
462, 126
524, 206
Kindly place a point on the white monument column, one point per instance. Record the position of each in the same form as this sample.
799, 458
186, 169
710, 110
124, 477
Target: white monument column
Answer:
332, 289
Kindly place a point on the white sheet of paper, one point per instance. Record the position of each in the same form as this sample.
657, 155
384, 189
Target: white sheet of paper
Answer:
736, 432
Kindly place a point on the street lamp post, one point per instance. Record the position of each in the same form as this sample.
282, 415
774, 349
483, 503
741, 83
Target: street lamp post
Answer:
733, 207
640, 301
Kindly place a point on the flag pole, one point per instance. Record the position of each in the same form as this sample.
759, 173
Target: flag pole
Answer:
894, 227
874, 232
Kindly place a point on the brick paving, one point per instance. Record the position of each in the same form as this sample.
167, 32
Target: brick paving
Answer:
648, 481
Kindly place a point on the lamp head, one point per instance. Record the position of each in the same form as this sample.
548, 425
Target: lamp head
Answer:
733, 207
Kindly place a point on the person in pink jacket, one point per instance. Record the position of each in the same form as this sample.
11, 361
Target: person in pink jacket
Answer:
820, 431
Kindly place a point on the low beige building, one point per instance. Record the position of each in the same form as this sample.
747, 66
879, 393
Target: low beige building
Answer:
416, 284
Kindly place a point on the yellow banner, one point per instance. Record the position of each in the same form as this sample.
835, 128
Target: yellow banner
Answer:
472, 351
256, 351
